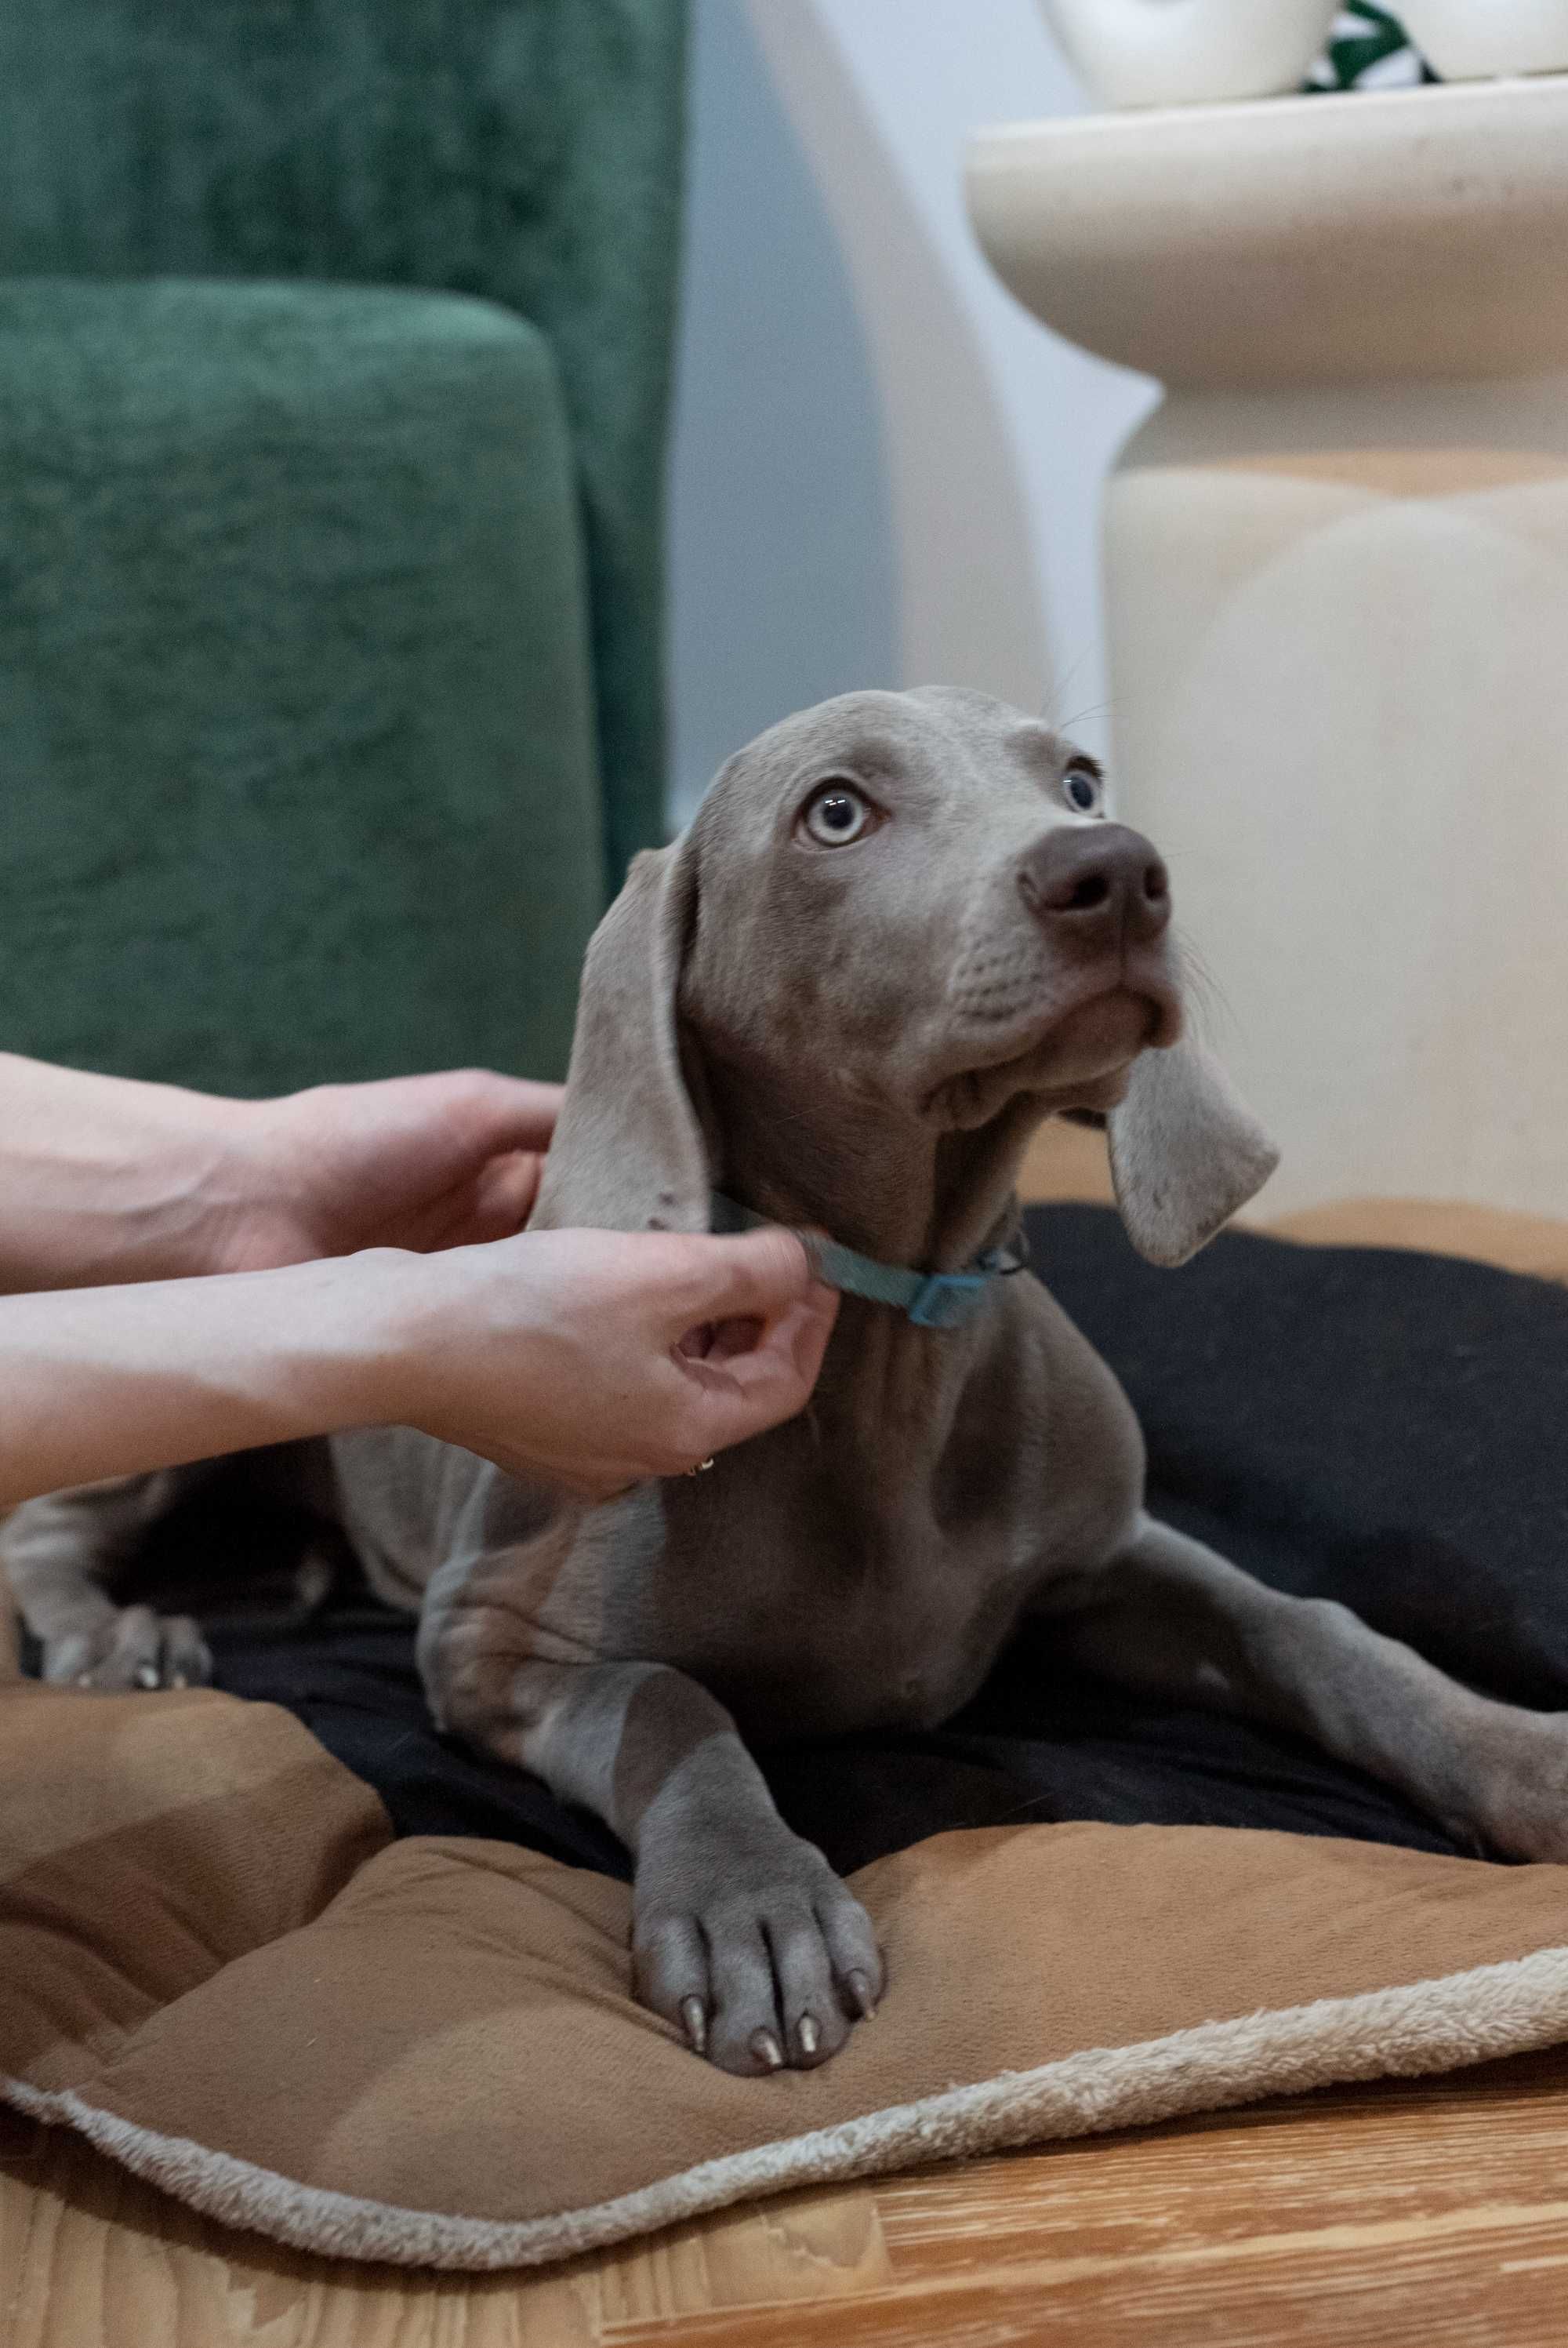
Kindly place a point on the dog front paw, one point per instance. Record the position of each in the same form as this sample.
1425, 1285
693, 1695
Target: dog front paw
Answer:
749, 1943
134, 1648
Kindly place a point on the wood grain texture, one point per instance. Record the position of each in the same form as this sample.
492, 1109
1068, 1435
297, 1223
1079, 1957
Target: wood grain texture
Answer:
1431, 2214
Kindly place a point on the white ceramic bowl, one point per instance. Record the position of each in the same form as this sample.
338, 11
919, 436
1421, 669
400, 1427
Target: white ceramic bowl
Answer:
1471, 41
1186, 52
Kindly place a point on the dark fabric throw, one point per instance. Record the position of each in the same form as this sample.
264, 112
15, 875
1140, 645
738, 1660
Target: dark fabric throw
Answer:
1381, 1426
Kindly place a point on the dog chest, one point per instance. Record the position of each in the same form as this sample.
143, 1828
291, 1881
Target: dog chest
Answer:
811, 1620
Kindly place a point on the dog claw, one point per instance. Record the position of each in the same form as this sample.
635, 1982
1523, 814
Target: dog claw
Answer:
767, 2049
807, 2032
147, 1675
694, 2014
860, 1991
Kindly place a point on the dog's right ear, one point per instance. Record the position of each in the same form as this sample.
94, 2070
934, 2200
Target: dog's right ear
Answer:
628, 1153
1185, 1152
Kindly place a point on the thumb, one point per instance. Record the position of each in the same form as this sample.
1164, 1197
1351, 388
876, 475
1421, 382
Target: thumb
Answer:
492, 1115
757, 1277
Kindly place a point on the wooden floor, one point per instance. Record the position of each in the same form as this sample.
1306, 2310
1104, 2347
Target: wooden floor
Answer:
1425, 2216
1410, 2217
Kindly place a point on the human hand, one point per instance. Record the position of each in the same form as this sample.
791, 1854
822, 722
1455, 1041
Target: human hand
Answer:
106, 1180
593, 1360
411, 1162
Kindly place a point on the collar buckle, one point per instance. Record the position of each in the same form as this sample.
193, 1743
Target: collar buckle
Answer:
947, 1299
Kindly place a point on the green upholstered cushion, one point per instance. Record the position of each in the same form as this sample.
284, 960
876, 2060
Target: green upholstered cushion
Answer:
526, 151
296, 735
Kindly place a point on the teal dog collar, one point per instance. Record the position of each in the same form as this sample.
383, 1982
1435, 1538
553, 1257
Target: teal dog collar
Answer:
931, 1300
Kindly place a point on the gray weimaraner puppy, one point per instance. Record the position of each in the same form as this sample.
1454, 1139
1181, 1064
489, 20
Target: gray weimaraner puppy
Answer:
900, 933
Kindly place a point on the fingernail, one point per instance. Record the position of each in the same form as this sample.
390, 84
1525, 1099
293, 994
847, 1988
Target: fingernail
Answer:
694, 2014
860, 1991
767, 2049
807, 2032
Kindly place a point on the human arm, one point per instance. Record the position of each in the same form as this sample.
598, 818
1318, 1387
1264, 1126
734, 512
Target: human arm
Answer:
569, 1357
105, 1179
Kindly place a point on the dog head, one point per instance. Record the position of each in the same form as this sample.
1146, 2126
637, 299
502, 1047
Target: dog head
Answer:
913, 905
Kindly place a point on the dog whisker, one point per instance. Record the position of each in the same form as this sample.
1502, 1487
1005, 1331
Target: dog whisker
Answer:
1201, 990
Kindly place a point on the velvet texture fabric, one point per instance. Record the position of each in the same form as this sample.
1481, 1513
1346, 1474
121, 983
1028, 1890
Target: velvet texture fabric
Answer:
527, 151
523, 151
295, 721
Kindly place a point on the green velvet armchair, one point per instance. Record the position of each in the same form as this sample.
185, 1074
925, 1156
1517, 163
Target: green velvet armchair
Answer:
334, 354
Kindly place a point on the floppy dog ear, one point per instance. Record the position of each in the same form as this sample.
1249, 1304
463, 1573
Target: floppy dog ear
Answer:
628, 1153
1185, 1152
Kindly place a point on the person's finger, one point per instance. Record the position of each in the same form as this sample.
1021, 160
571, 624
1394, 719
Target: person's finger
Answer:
504, 1195
789, 1350
497, 1114
474, 1213
808, 1338
742, 1393
726, 1338
494, 1205
752, 1277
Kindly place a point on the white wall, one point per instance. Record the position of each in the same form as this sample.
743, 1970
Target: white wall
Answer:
883, 472
784, 584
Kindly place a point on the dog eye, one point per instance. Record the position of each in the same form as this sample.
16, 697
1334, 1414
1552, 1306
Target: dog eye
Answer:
1083, 789
836, 815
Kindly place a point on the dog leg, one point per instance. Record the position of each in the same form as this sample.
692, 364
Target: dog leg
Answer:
742, 1936
59, 1553
1169, 1616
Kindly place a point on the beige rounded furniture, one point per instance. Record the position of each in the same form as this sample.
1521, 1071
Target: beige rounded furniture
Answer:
1337, 574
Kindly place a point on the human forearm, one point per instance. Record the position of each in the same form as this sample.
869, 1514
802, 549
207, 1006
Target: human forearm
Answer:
106, 1180
584, 1360
114, 1380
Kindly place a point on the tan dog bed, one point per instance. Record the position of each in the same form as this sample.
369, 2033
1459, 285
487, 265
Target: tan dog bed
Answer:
216, 1963
220, 1966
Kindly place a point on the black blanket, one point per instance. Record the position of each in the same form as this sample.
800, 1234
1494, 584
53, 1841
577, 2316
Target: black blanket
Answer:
1379, 1427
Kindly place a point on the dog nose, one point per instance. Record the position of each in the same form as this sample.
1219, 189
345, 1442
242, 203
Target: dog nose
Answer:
1097, 884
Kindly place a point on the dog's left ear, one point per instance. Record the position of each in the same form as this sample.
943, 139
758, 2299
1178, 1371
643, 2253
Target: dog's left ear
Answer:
627, 1154
1185, 1152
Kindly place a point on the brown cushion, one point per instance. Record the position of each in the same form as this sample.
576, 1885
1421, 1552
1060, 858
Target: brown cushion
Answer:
217, 1964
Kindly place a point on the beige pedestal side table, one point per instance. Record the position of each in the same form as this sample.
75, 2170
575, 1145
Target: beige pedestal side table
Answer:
1337, 576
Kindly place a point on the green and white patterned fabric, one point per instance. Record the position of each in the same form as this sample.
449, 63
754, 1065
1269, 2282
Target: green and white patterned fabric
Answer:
1369, 49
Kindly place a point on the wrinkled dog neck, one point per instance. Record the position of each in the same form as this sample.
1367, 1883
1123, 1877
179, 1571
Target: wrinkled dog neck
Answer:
809, 1152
